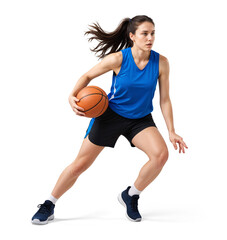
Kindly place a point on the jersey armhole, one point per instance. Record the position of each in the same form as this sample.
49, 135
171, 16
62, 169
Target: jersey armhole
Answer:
158, 64
121, 64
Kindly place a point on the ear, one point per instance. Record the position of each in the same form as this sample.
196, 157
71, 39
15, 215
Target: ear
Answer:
131, 35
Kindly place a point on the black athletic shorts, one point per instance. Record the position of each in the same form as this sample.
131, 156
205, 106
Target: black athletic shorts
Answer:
106, 129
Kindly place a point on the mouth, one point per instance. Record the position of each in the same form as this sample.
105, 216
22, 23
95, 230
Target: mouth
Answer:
149, 45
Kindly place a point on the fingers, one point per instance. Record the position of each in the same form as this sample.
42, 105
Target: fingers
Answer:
181, 148
75, 106
79, 113
77, 109
76, 99
185, 144
181, 144
174, 144
177, 140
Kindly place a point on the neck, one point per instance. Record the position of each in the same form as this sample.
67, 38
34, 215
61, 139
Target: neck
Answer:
139, 54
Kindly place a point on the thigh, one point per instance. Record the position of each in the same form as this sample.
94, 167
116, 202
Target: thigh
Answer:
150, 141
106, 129
134, 126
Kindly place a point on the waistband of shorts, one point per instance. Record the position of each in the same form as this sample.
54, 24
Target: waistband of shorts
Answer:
109, 108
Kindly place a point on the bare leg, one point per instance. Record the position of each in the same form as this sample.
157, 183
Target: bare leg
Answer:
151, 142
86, 156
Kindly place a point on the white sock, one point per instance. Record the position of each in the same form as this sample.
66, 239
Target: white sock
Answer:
52, 199
133, 191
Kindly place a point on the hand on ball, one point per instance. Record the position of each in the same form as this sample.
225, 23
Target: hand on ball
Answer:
78, 110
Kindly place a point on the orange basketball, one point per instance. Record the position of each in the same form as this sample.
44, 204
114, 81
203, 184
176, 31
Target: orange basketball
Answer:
93, 100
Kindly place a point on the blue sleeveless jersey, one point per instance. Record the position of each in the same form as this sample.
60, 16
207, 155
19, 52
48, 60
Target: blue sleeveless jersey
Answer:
132, 90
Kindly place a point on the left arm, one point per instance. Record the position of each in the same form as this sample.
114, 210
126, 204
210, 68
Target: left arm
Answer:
166, 105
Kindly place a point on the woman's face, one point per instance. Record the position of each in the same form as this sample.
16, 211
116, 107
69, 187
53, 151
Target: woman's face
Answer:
144, 36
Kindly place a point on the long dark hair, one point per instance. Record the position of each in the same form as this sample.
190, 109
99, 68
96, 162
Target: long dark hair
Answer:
110, 42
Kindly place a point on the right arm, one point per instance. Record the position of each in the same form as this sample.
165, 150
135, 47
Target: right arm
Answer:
110, 62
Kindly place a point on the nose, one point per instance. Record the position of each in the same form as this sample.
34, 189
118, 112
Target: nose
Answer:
150, 37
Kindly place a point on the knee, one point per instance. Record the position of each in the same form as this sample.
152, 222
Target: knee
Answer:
76, 169
160, 158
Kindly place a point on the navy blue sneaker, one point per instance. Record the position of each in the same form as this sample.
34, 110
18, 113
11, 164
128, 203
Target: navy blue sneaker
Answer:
44, 214
131, 205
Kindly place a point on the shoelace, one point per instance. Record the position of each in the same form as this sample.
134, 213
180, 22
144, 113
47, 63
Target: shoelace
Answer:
43, 208
134, 203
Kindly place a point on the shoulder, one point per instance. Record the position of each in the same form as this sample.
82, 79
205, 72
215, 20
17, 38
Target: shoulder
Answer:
163, 64
163, 60
113, 59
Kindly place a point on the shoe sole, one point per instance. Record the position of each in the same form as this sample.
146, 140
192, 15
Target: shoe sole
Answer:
38, 222
121, 201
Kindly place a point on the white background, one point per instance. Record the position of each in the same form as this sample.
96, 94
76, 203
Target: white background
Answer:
43, 52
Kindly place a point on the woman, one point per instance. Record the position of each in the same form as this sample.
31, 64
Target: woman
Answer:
136, 71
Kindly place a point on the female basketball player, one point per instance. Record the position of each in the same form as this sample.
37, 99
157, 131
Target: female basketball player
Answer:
136, 71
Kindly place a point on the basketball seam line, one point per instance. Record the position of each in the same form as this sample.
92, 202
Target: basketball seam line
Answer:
93, 94
95, 104
98, 90
103, 107
95, 88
